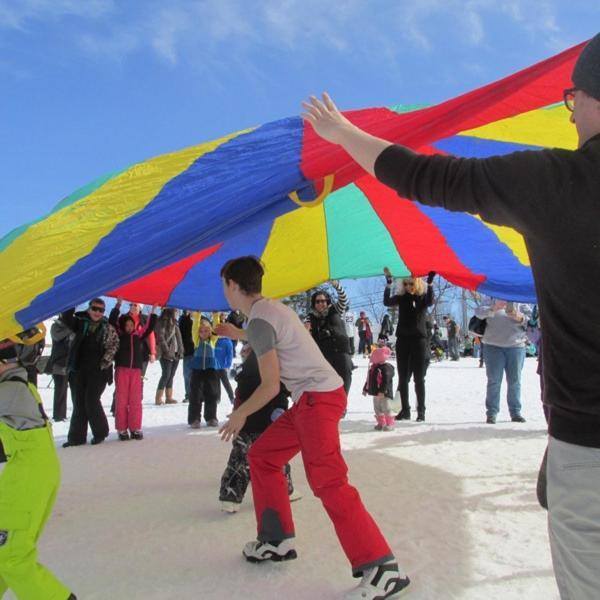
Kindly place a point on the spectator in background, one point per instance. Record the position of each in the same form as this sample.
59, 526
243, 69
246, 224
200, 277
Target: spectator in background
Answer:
453, 330
224, 359
205, 387
505, 341
29, 356
62, 338
170, 350
94, 347
186, 324
412, 344
386, 327
329, 331
350, 323
139, 319
365, 334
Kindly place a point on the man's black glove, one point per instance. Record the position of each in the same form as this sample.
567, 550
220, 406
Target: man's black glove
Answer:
430, 277
388, 275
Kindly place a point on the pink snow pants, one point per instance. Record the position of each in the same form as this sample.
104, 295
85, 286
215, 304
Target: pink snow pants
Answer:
311, 427
128, 410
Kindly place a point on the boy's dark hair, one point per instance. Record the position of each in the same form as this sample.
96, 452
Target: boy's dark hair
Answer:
97, 301
246, 271
123, 320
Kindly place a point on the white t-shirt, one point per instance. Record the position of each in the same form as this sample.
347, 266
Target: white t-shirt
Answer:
303, 368
350, 323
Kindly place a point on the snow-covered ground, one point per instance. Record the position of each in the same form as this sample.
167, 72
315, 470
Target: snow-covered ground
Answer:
455, 498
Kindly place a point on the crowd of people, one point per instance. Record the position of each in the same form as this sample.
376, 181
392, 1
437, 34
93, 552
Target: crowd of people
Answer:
533, 192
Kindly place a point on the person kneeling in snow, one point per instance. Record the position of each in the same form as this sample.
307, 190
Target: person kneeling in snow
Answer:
380, 385
28, 484
237, 473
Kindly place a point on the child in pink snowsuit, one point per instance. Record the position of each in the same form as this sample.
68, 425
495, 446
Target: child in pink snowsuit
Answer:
379, 384
128, 373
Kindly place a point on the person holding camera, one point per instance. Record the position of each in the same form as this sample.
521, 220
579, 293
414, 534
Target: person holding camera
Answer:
505, 339
329, 331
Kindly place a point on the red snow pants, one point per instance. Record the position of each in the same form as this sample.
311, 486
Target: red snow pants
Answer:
311, 427
128, 408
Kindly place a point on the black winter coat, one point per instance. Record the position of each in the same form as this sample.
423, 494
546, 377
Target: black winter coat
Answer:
248, 379
380, 379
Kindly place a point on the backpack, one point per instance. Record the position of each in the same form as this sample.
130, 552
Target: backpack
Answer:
477, 326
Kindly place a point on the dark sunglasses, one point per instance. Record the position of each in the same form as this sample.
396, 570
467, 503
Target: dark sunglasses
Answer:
99, 309
569, 98
408, 283
321, 301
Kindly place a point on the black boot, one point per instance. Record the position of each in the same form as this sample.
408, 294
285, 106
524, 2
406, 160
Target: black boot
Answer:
421, 416
403, 415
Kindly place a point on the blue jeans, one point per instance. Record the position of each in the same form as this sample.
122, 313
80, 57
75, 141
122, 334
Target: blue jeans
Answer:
498, 360
187, 374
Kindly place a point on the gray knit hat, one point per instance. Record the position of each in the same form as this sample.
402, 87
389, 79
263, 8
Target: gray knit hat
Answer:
586, 74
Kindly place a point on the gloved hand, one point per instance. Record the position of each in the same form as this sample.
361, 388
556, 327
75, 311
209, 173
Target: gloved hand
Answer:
430, 277
388, 275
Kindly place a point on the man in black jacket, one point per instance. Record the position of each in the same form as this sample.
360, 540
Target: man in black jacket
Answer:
94, 347
552, 198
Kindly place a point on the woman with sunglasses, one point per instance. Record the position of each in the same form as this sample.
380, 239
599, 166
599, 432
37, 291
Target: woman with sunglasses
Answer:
412, 346
328, 329
94, 347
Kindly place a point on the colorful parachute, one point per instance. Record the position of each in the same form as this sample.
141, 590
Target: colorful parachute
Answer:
159, 231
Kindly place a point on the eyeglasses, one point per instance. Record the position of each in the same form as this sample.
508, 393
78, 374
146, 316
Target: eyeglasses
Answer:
408, 283
99, 309
322, 301
569, 98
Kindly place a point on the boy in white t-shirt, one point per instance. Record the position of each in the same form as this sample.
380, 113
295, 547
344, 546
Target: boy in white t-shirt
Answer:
287, 353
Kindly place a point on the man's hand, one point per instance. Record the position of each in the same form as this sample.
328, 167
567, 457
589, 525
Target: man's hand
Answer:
388, 275
233, 426
152, 358
430, 277
326, 119
228, 330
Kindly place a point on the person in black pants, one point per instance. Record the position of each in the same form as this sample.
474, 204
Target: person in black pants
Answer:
412, 346
205, 385
62, 337
94, 347
236, 476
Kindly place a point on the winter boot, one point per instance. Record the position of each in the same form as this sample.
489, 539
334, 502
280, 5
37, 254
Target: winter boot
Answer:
230, 507
170, 399
380, 422
421, 415
258, 551
159, 397
123, 435
390, 421
380, 582
403, 415
137, 435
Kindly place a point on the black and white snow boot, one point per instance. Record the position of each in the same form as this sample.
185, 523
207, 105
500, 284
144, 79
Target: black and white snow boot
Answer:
258, 551
379, 583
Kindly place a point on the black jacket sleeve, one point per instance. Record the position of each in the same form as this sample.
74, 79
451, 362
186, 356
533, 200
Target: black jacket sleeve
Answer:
388, 299
113, 318
508, 190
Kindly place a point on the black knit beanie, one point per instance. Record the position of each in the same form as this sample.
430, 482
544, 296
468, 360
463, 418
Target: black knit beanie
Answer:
586, 74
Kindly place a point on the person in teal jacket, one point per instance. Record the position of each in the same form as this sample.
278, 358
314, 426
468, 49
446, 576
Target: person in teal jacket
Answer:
28, 485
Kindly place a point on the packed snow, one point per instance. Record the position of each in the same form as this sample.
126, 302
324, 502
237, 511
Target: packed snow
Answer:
455, 498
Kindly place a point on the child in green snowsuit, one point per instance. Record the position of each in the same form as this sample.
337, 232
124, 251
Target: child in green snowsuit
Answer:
28, 486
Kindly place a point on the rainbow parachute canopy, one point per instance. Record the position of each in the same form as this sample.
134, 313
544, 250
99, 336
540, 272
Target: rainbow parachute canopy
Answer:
160, 230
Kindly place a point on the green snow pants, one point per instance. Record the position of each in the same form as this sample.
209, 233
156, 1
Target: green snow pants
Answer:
28, 487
